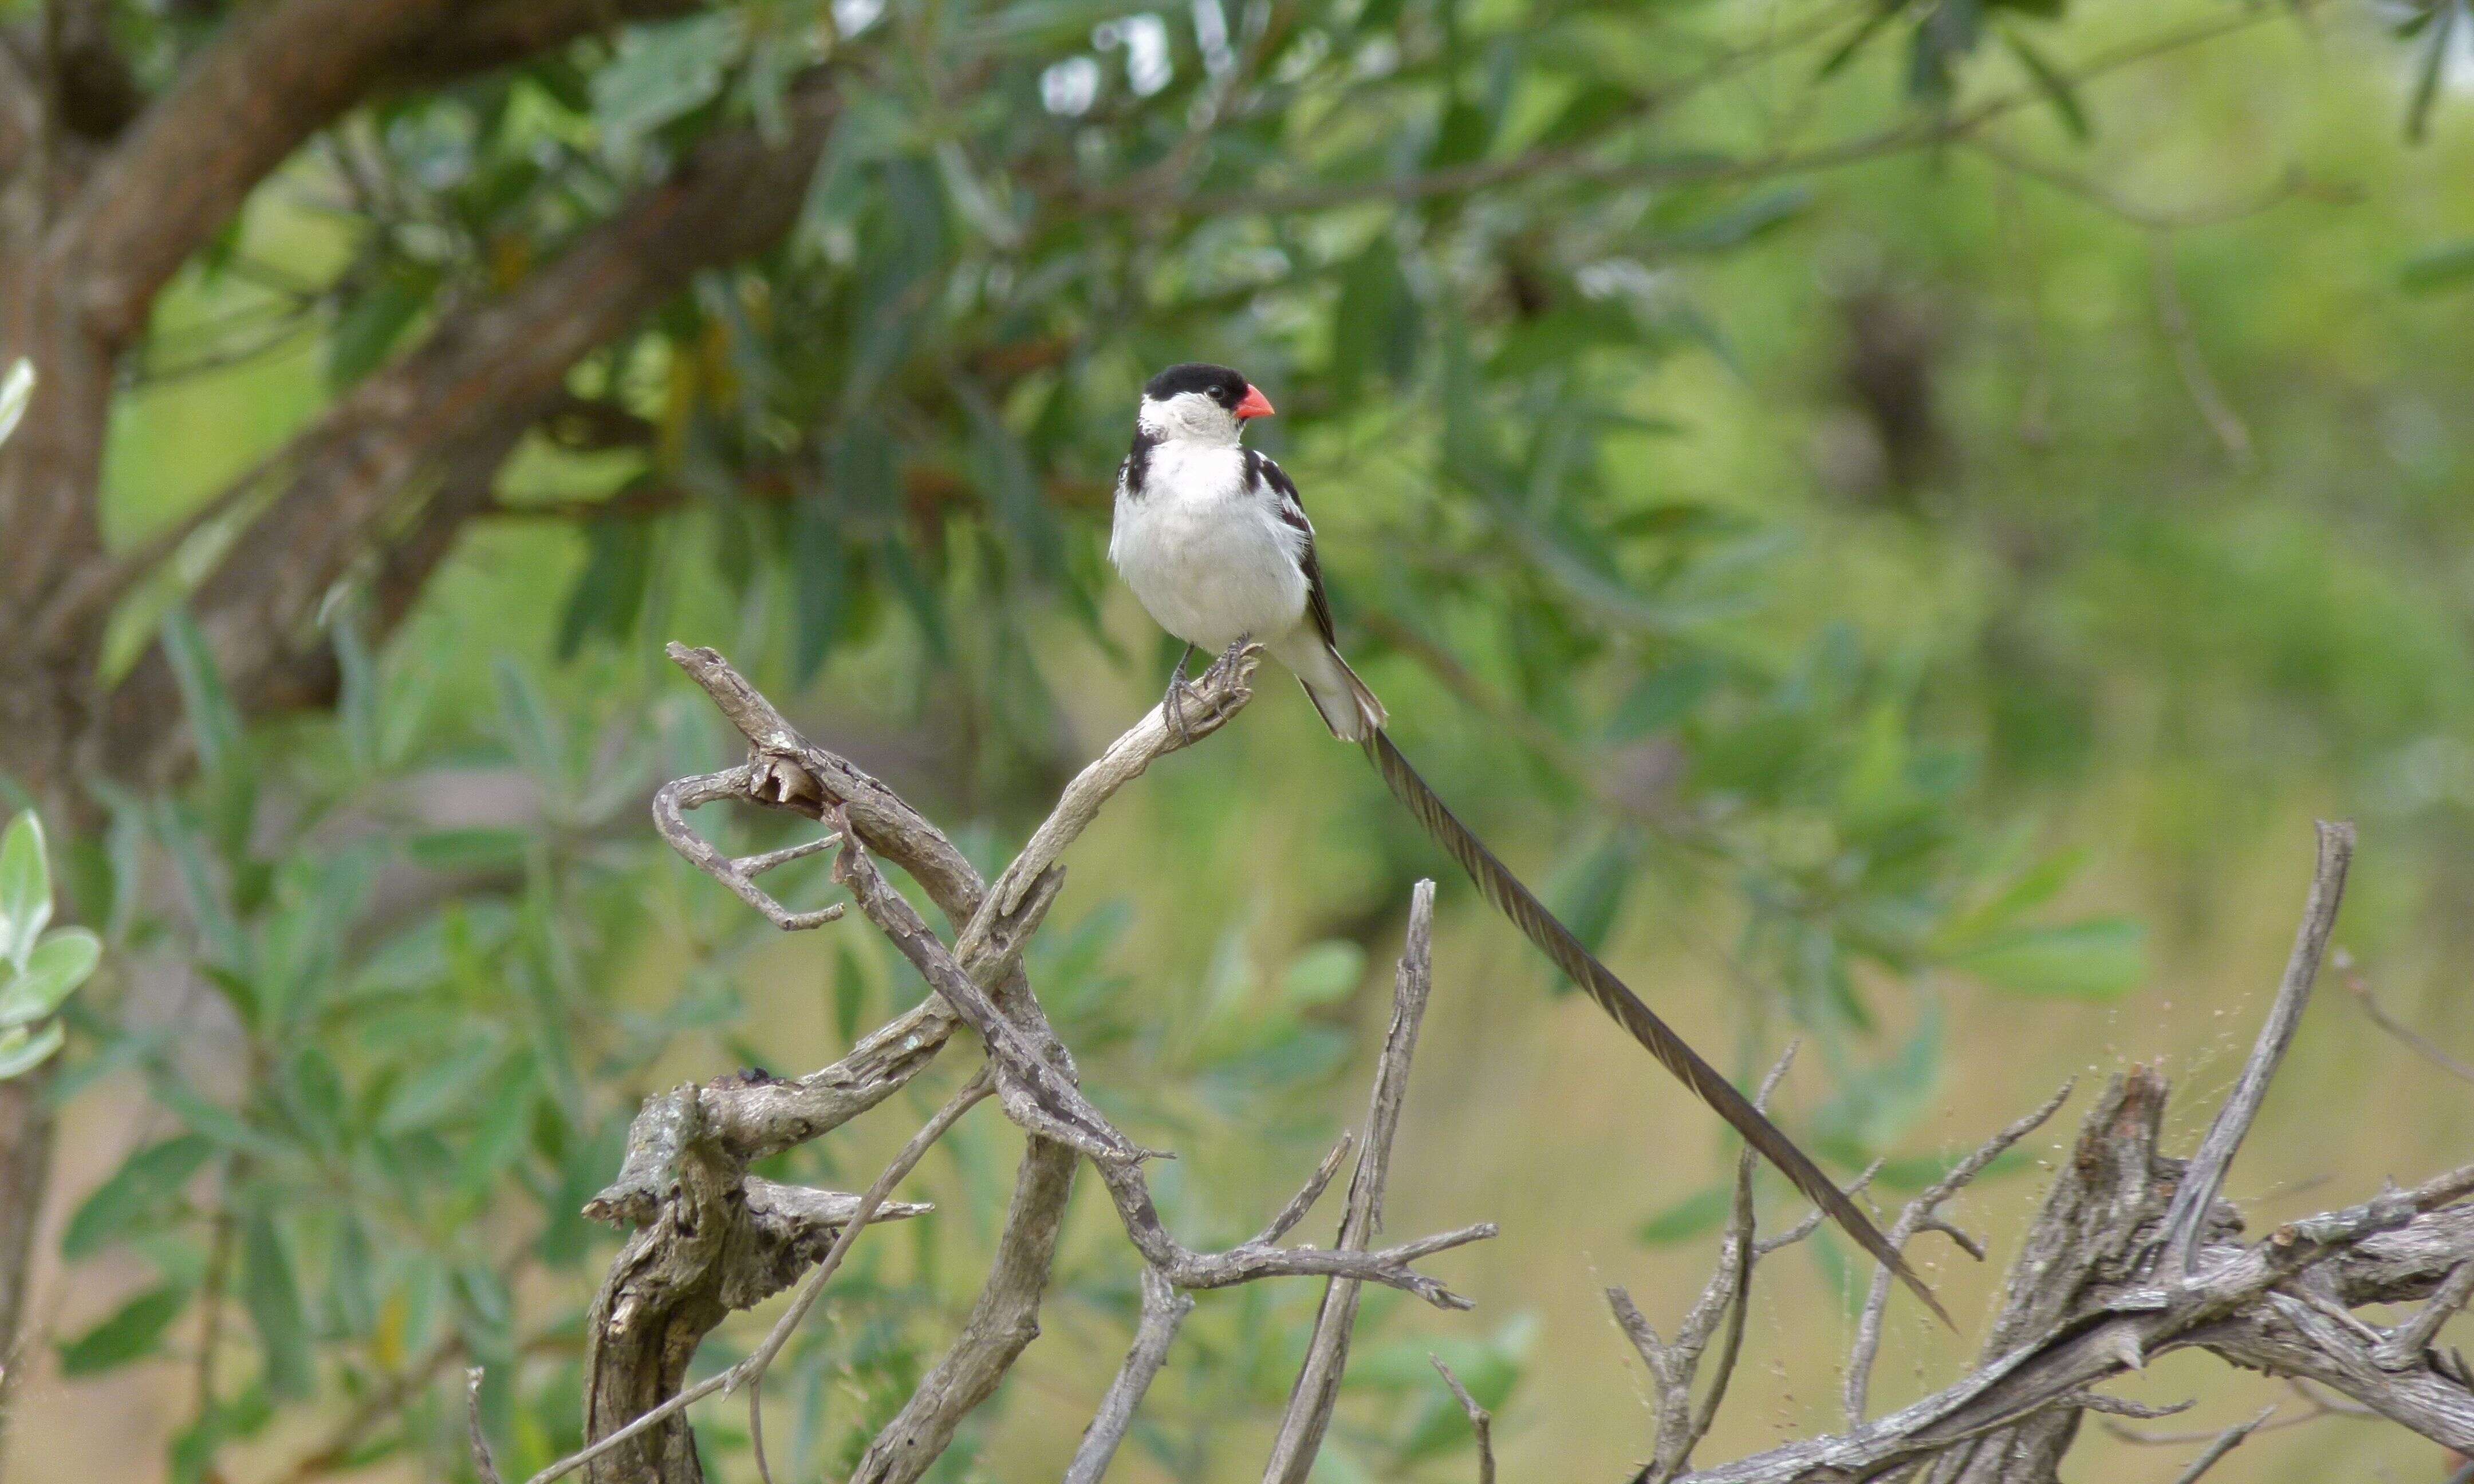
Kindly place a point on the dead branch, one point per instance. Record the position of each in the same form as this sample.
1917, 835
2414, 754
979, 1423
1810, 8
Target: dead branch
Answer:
2207, 1173
2101, 1285
684, 1184
1164, 1310
1918, 1213
1316, 1389
1481, 1421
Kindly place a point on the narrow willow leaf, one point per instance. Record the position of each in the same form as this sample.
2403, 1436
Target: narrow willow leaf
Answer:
130, 1333
2438, 267
2057, 88
272, 1295
148, 1179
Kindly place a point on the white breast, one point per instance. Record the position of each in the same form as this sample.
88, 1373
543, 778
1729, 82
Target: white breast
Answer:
1209, 558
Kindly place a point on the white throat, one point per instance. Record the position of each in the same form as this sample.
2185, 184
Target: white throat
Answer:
1189, 416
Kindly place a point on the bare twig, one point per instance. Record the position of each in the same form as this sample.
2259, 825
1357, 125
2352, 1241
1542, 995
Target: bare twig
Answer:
2422, 1046
1316, 1389
483, 1464
1281, 1224
1037, 1093
2291, 185
2173, 317
1918, 1216
670, 815
1164, 1310
1481, 1421
2206, 1175
2226, 1442
1674, 1366
756, 1428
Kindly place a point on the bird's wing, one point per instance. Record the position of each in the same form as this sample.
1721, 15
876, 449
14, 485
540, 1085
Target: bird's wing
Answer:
1282, 493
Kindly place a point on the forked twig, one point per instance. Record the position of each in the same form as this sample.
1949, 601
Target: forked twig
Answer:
1920, 1216
669, 816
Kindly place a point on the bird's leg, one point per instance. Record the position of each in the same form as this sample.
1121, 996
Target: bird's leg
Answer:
1228, 656
1173, 702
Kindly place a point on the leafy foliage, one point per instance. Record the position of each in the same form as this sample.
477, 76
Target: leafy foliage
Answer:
40, 967
1472, 248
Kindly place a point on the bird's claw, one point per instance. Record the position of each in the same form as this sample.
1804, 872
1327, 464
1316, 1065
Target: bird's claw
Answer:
1226, 664
1180, 690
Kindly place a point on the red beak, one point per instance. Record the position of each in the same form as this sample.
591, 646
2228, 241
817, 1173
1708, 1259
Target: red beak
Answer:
1256, 406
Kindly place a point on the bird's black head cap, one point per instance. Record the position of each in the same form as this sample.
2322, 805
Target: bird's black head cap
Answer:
1217, 382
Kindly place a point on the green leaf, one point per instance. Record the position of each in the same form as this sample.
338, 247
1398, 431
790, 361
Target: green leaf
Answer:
212, 716
2033, 888
2101, 959
1695, 1215
532, 733
1589, 893
2438, 267
128, 1335
440, 1090
2052, 83
1754, 217
468, 850
147, 1180
372, 324
609, 592
663, 72
25, 887
218, 1123
2435, 49
272, 1296
60, 963
16, 393
1665, 697
1323, 973
819, 587
21, 1053
850, 992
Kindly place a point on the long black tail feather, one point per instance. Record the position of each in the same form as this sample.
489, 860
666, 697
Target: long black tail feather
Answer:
1526, 912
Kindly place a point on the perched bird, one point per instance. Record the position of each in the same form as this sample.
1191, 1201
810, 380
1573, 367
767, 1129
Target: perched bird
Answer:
1212, 538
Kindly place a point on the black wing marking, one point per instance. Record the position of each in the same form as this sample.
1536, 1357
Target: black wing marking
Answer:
1292, 510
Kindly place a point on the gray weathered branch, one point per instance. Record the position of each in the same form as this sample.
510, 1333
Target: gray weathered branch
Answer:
1318, 1385
684, 1180
2101, 1285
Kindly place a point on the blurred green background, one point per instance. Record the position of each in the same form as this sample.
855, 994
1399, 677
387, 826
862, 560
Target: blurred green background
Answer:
1915, 606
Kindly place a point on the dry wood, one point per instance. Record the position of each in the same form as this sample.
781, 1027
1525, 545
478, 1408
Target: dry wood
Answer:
2208, 1167
1164, 1310
684, 1180
1481, 1421
1316, 1389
